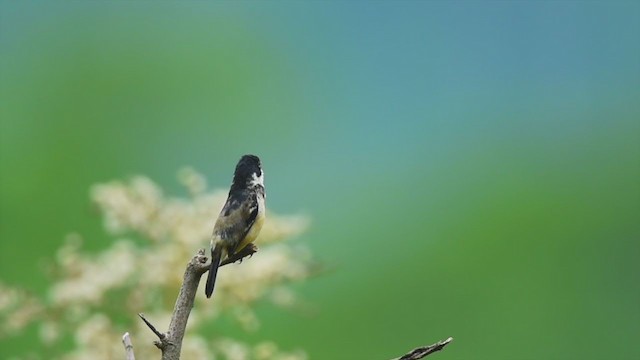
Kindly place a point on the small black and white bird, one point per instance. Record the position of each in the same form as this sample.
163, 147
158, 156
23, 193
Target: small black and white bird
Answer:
242, 216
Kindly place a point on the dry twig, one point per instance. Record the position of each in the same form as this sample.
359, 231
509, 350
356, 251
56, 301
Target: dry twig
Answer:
423, 351
128, 346
170, 342
248, 250
153, 328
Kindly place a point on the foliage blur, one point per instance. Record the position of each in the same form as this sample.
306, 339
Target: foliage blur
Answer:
92, 297
472, 169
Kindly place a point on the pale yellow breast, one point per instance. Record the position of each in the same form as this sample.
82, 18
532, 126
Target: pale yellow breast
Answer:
257, 226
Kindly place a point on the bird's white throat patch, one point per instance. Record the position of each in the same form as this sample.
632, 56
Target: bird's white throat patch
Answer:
257, 180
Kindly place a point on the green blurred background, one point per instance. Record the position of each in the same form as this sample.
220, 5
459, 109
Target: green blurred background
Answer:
472, 168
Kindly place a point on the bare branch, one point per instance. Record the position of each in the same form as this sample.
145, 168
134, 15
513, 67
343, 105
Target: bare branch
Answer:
171, 342
421, 352
196, 267
160, 335
248, 250
128, 346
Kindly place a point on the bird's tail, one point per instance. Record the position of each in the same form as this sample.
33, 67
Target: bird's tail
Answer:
216, 256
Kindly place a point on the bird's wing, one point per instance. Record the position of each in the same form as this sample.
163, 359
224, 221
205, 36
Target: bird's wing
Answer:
236, 219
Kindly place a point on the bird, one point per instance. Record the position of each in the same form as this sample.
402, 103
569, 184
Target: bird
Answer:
242, 216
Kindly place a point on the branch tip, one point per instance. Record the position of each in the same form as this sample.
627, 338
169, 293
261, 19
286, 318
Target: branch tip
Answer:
248, 250
423, 351
128, 346
160, 335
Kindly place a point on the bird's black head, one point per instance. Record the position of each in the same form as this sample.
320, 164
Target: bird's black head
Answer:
248, 173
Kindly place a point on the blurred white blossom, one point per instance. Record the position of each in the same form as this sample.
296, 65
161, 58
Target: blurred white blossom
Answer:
95, 297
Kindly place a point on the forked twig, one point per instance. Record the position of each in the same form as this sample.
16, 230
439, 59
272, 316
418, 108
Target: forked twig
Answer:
170, 342
160, 335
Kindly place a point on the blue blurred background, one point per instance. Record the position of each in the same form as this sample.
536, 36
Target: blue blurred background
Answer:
472, 168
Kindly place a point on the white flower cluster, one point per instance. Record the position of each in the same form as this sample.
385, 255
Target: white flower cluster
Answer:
17, 309
95, 297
